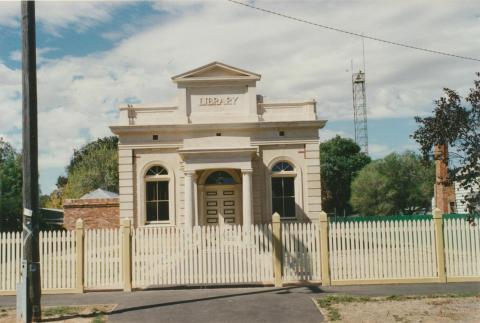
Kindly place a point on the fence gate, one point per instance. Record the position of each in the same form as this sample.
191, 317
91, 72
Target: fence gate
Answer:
103, 259
229, 254
301, 252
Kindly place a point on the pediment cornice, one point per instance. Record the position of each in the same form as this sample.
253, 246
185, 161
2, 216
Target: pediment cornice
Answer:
216, 71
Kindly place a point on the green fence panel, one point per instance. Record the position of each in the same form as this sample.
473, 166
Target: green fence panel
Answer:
381, 218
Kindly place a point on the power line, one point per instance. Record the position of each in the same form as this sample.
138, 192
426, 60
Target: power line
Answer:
354, 33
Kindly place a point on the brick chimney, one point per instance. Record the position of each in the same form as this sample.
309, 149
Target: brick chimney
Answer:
444, 190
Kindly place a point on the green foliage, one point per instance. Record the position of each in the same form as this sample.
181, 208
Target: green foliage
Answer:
341, 160
60, 311
10, 188
397, 184
98, 170
90, 149
457, 125
93, 166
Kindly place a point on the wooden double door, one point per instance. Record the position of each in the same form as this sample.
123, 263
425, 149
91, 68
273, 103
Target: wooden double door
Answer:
222, 204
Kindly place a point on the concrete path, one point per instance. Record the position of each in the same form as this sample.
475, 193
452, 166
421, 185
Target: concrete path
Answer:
253, 304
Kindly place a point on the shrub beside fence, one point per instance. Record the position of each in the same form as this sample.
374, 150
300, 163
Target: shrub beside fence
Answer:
368, 250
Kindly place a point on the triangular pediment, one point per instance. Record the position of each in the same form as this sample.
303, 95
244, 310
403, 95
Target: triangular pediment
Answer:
216, 71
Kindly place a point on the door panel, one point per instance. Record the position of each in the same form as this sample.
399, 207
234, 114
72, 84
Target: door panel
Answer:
220, 204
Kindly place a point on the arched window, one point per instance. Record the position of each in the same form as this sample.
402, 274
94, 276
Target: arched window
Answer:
220, 178
156, 170
282, 167
283, 189
157, 195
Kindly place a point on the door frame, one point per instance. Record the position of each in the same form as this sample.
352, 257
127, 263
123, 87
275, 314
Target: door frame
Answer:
201, 187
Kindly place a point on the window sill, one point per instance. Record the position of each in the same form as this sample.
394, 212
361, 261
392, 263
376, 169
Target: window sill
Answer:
157, 224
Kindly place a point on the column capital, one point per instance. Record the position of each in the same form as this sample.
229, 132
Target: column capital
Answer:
189, 172
247, 171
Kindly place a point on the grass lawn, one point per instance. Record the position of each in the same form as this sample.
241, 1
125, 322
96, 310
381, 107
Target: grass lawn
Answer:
436, 308
80, 314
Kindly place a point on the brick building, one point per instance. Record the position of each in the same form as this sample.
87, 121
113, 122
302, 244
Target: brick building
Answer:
98, 209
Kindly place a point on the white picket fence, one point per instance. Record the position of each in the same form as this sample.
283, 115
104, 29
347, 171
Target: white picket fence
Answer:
375, 250
301, 252
462, 247
204, 255
359, 252
57, 260
103, 259
10, 259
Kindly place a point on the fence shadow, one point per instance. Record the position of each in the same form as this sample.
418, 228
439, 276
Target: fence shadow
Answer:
278, 291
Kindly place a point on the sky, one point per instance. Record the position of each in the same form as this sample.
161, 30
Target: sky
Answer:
94, 56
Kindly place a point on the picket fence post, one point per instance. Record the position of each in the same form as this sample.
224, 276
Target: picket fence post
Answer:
126, 247
440, 247
277, 249
79, 241
324, 253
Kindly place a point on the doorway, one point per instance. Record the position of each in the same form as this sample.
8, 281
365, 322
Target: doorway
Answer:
221, 198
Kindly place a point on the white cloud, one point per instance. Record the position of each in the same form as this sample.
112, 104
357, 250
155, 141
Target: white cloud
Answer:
378, 150
296, 61
58, 15
327, 134
16, 55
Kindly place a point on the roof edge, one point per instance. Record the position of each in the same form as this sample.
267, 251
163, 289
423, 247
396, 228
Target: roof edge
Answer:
182, 76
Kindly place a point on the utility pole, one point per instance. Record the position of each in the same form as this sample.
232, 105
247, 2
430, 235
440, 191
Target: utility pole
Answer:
30, 294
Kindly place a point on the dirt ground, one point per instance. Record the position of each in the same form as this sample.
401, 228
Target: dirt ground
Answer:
70, 314
435, 310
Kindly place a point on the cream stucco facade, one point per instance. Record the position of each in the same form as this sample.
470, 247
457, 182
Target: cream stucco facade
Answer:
219, 155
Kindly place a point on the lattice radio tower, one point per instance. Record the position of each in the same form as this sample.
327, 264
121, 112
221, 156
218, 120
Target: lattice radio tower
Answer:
360, 110
360, 106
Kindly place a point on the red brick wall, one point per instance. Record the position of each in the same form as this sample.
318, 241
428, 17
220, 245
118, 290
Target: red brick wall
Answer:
95, 213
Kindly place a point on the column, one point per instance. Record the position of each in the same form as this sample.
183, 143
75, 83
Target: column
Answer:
313, 191
440, 244
247, 197
79, 236
277, 249
189, 198
196, 209
324, 250
125, 231
126, 175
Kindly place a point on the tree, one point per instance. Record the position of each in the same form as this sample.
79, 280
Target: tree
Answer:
55, 199
93, 166
10, 188
341, 160
455, 126
397, 184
